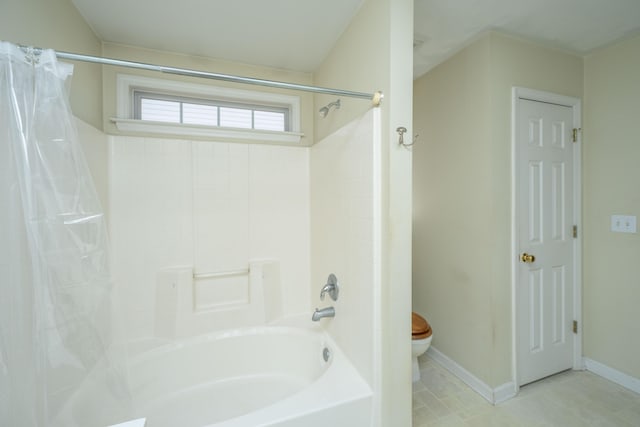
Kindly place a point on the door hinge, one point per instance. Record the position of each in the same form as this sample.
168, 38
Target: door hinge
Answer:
575, 327
574, 134
575, 231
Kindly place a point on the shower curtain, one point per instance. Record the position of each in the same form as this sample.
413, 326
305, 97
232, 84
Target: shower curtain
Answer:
56, 335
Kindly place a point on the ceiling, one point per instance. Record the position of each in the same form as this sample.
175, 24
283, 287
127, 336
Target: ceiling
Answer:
289, 34
298, 34
442, 27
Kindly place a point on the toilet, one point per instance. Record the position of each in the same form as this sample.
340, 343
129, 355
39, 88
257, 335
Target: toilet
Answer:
421, 336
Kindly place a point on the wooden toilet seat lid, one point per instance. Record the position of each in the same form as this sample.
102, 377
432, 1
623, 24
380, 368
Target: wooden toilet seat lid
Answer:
420, 328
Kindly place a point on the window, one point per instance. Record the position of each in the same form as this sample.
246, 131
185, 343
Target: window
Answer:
158, 107
184, 109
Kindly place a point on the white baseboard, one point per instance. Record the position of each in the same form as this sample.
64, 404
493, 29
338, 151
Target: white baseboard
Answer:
494, 396
504, 392
626, 381
508, 390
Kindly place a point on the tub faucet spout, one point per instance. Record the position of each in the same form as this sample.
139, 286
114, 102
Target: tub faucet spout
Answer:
325, 312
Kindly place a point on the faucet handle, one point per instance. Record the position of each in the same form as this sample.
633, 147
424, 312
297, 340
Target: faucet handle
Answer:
331, 288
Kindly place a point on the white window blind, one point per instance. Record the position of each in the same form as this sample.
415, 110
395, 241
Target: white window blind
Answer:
235, 118
176, 108
200, 114
158, 110
159, 107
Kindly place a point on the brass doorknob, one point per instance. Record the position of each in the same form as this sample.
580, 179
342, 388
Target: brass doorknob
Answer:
525, 257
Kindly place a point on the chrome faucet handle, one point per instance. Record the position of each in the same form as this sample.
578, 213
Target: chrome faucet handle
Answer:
331, 288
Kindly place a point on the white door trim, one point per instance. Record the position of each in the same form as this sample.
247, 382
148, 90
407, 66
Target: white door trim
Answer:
576, 105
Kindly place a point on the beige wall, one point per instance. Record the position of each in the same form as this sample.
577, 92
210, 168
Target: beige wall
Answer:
358, 63
515, 63
375, 53
462, 194
611, 175
452, 178
56, 24
179, 60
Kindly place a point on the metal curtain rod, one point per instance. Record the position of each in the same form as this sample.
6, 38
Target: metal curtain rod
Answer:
376, 97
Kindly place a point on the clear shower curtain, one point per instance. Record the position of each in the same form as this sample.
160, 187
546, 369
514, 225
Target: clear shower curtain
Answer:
56, 338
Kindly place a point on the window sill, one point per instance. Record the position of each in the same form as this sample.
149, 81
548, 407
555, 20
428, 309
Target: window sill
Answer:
180, 129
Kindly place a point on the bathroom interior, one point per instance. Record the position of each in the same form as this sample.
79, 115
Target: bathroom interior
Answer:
240, 251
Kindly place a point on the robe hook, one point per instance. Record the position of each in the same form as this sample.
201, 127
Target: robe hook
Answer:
401, 131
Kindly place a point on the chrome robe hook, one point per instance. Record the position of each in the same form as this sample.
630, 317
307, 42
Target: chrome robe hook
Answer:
401, 131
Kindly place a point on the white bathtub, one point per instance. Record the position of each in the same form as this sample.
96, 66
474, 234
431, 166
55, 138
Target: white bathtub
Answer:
247, 377
260, 376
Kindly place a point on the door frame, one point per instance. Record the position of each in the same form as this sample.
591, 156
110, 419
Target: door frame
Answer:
576, 105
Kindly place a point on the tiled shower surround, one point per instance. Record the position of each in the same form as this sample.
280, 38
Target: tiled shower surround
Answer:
178, 207
210, 205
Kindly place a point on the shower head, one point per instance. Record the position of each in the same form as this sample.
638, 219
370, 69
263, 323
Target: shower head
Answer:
324, 111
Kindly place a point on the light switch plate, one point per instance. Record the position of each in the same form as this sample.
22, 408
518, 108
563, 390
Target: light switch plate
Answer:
623, 223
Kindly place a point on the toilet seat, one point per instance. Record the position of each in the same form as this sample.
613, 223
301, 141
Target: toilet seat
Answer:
420, 328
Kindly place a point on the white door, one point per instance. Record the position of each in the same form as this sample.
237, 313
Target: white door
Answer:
545, 273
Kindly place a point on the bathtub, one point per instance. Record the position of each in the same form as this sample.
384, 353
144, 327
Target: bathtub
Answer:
258, 376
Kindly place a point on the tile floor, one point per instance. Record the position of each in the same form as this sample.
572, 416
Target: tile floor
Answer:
565, 400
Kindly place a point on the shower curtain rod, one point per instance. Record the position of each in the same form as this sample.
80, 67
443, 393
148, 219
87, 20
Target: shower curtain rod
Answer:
375, 98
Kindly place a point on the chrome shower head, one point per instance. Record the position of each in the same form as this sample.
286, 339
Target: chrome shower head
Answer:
324, 111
